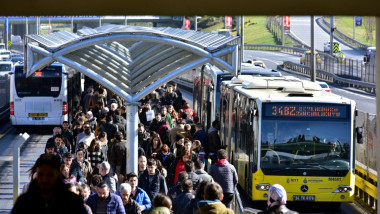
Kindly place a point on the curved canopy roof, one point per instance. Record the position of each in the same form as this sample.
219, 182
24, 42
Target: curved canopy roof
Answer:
132, 61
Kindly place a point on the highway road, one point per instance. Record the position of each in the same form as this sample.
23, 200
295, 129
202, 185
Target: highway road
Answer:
300, 26
365, 101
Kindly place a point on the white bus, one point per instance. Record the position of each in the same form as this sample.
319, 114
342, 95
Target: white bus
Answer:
44, 98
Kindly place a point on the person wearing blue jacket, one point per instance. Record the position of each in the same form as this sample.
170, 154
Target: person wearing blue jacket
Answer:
105, 202
139, 194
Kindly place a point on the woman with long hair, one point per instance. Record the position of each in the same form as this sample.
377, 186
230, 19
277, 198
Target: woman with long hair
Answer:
165, 156
65, 173
153, 146
95, 155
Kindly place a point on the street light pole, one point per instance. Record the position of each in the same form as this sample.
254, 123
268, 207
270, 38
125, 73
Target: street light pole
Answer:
331, 35
312, 55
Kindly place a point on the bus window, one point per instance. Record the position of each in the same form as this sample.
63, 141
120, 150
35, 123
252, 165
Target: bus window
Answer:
46, 82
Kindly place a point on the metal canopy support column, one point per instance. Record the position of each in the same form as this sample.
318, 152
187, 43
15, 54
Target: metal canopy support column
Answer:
312, 55
132, 137
16, 164
377, 146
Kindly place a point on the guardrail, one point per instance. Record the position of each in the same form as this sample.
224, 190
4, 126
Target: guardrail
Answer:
287, 49
365, 186
324, 75
326, 26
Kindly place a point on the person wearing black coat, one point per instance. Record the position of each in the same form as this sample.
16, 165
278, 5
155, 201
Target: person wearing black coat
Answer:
165, 156
152, 181
131, 206
109, 128
183, 199
48, 194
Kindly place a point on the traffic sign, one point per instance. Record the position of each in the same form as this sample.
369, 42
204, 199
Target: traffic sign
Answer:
358, 21
336, 48
341, 57
9, 43
287, 24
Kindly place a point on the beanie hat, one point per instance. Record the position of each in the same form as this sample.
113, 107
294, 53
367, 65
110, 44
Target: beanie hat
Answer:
179, 137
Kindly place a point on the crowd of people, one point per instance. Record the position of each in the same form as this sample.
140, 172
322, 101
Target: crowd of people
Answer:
88, 158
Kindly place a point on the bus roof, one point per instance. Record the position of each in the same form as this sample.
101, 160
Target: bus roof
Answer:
291, 90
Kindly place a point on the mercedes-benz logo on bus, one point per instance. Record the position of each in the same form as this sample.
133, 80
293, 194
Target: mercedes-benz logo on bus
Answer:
304, 188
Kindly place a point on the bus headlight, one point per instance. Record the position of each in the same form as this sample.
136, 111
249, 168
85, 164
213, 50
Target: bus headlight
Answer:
263, 187
343, 188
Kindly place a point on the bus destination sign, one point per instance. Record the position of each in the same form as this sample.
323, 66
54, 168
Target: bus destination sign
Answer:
309, 110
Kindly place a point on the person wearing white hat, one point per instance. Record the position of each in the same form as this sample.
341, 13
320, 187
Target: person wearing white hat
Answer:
277, 201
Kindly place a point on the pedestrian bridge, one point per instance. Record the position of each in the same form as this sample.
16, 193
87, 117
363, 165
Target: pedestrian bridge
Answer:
132, 61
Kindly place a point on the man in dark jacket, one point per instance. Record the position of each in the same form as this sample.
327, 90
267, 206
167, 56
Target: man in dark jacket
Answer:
47, 189
152, 181
224, 174
104, 201
108, 177
130, 205
118, 156
183, 199
68, 134
177, 188
201, 135
109, 128
213, 141
189, 168
143, 136
74, 168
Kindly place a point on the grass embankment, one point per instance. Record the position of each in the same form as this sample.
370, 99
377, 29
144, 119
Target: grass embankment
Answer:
345, 24
255, 30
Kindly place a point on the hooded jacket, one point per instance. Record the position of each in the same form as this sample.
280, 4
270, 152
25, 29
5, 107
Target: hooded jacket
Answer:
213, 207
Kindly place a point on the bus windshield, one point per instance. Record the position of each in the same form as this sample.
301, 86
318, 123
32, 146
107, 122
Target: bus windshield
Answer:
44, 83
305, 145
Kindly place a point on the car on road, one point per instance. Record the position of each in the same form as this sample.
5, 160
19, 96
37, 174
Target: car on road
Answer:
5, 68
257, 63
326, 47
15, 60
307, 55
325, 86
5, 55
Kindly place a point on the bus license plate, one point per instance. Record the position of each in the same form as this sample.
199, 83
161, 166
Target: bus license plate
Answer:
38, 114
303, 198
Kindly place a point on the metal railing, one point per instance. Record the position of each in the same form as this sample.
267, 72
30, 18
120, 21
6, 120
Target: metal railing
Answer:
286, 49
326, 26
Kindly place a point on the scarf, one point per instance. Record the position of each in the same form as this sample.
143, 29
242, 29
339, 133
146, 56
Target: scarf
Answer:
221, 162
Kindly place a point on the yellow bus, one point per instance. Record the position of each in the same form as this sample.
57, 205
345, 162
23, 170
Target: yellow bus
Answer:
283, 130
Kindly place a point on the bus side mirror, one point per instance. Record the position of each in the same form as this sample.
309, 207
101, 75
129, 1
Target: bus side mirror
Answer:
359, 135
10, 73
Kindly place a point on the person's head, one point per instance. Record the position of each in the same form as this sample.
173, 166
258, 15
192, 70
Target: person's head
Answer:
164, 111
58, 139
187, 185
186, 106
161, 200
89, 115
109, 119
187, 145
199, 126
95, 180
196, 119
102, 136
142, 163
133, 180
165, 149
80, 155
72, 188
196, 146
213, 191
50, 145
170, 88
276, 195
141, 128
174, 86
198, 165
221, 154
185, 155
216, 124
113, 106
119, 136
65, 125
47, 168
200, 191
87, 129
82, 116
85, 191
180, 139
156, 140
151, 166
187, 127
158, 117
56, 131
182, 176
170, 109
189, 166
125, 192
68, 158
65, 170
103, 190
104, 168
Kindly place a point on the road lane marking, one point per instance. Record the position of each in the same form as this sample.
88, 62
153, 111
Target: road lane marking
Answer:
6, 132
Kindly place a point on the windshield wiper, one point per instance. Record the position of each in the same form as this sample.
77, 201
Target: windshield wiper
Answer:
323, 167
